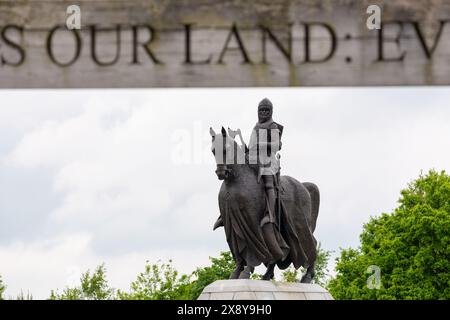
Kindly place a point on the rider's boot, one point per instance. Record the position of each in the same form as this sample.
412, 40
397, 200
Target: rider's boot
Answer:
272, 243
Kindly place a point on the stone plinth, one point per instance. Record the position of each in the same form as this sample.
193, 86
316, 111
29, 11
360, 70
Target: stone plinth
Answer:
263, 290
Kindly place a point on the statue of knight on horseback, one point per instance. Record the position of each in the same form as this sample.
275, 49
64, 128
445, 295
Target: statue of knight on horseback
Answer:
267, 218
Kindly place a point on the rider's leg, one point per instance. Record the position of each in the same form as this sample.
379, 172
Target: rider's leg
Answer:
268, 222
269, 185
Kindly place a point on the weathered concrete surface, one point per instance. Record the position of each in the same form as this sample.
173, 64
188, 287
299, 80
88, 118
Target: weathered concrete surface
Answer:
420, 34
263, 290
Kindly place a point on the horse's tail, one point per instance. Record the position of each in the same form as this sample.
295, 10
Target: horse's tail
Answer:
315, 202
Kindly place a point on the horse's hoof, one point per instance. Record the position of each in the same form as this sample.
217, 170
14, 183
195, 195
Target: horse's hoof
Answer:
306, 279
267, 277
236, 272
244, 275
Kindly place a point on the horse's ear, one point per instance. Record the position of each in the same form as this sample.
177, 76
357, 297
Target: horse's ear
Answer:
224, 132
212, 132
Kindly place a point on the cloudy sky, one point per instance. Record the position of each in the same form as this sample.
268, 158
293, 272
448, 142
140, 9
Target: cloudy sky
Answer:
125, 176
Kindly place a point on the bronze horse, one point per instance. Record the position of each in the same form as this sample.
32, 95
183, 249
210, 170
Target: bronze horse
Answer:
242, 207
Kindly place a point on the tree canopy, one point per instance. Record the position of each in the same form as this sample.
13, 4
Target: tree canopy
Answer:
161, 281
92, 287
158, 282
409, 247
220, 268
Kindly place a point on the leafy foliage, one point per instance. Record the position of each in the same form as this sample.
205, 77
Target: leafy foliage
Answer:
158, 282
220, 269
93, 287
291, 274
2, 288
256, 276
321, 269
411, 247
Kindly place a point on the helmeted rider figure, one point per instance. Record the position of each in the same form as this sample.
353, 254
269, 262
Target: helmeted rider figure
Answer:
265, 142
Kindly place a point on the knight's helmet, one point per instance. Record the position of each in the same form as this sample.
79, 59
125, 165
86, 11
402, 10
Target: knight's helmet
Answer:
266, 103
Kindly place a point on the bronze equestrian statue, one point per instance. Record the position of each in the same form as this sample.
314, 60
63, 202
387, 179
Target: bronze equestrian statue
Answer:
267, 218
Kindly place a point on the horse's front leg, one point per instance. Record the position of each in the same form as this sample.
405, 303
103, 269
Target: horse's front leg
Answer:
269, 275
237, 271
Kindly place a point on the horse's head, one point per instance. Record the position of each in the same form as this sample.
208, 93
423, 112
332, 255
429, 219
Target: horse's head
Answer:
224, 149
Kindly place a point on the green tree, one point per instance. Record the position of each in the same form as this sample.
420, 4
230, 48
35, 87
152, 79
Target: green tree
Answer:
92, 287
220, 269
2, 288
321, 269
321, 276
158, 282
411, 248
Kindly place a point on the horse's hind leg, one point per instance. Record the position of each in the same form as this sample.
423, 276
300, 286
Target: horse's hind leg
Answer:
237, 271
269, 275
247, 272
309, 275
